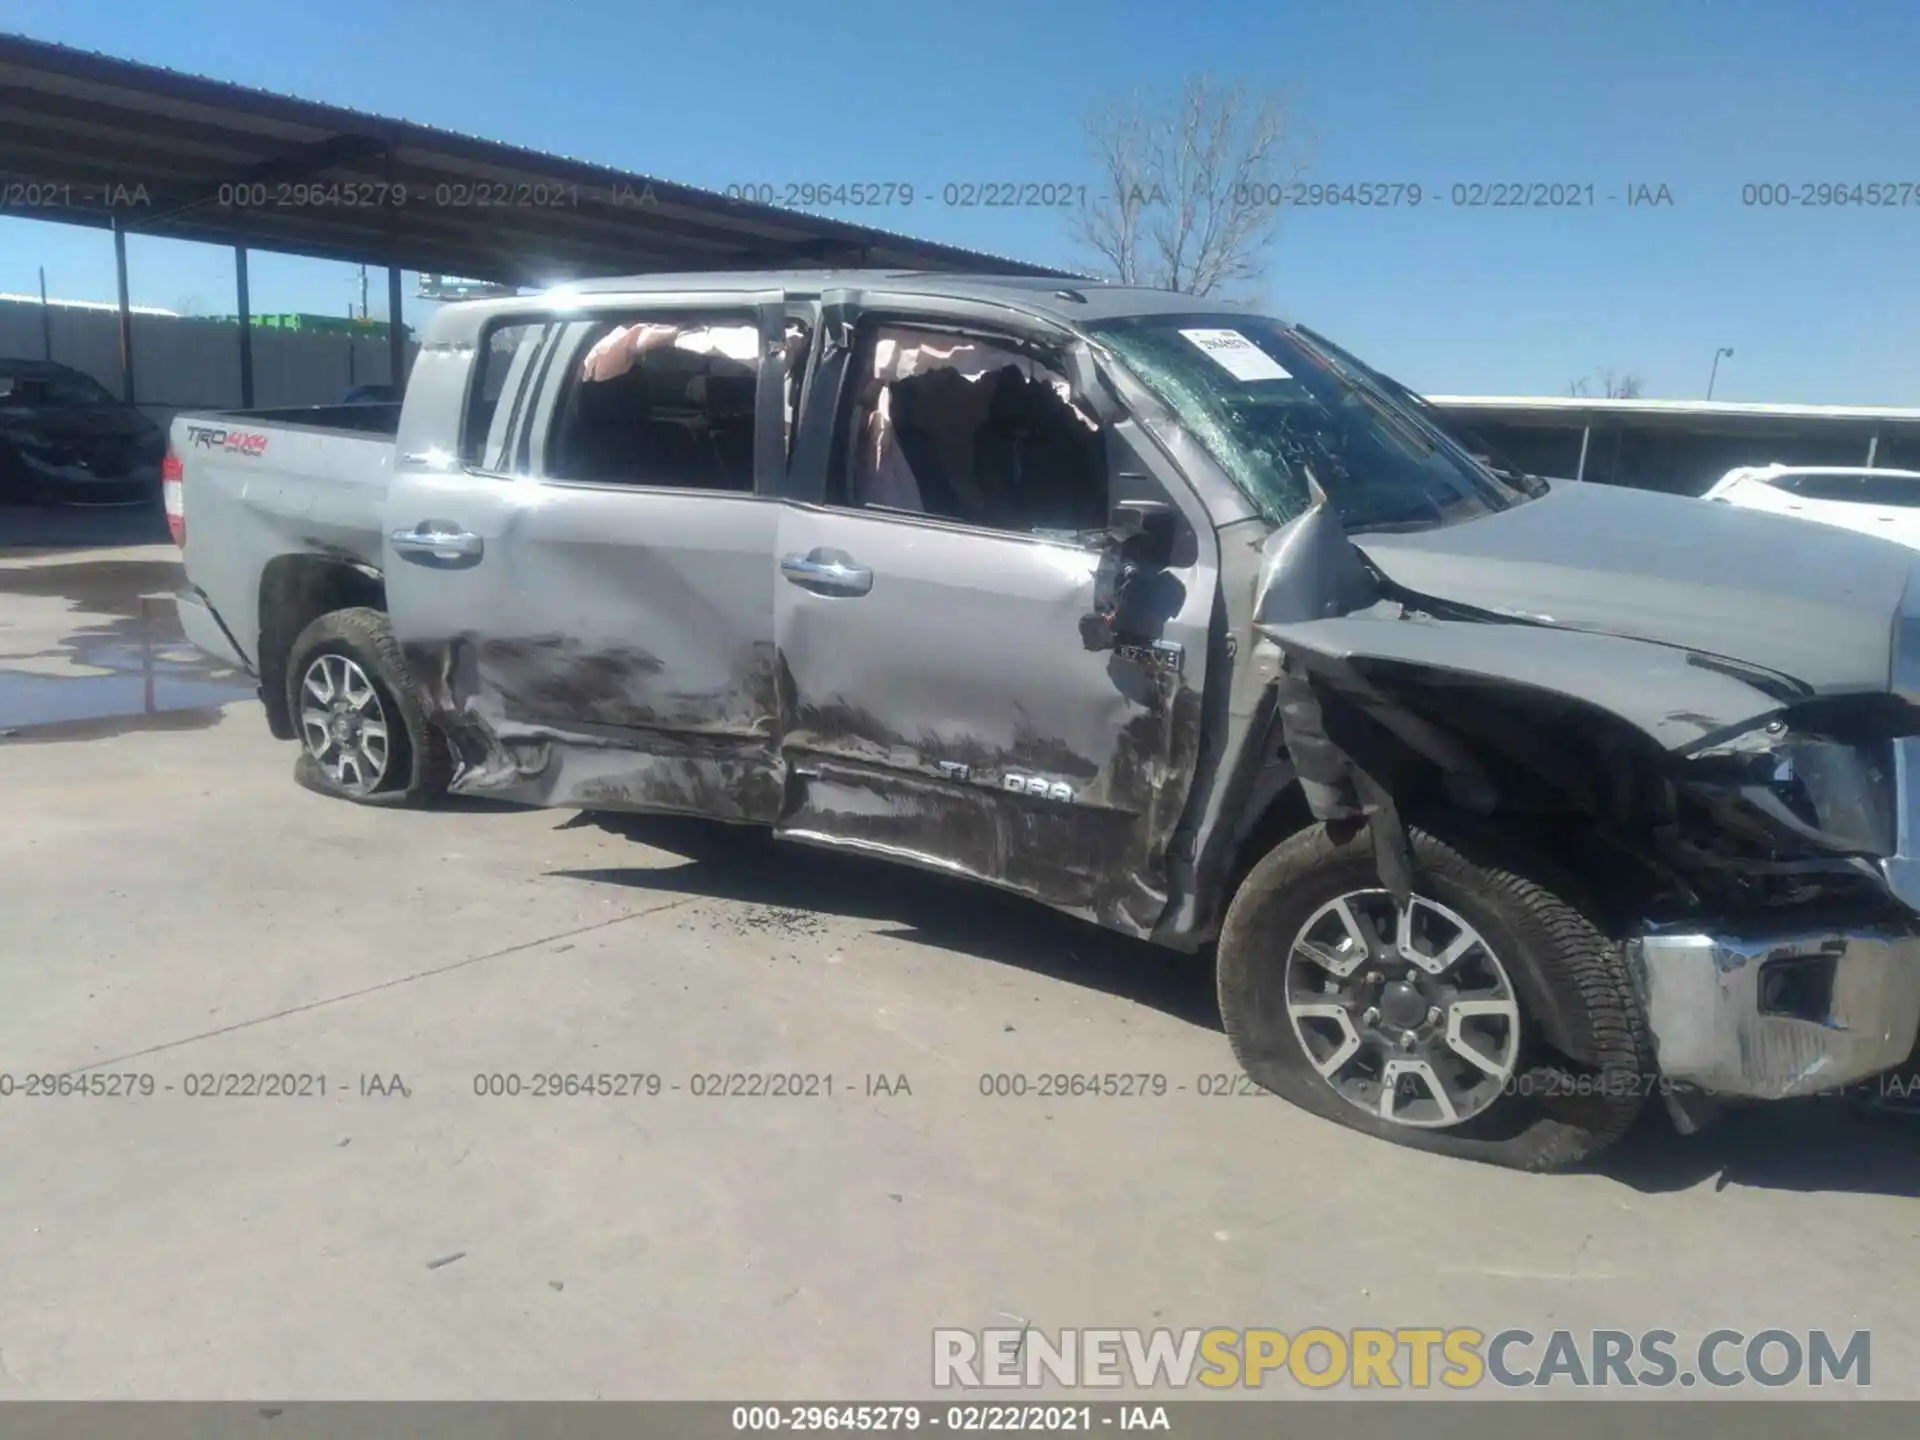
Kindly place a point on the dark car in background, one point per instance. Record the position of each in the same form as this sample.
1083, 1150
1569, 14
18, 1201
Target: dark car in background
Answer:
66, 440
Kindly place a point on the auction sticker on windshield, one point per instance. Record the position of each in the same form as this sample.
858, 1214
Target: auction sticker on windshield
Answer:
1237, 355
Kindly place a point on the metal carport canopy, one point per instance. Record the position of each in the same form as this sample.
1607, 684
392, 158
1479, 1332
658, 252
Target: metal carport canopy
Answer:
148, 150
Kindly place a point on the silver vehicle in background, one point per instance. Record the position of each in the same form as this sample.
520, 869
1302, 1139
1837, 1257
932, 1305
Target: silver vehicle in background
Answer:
1502, 804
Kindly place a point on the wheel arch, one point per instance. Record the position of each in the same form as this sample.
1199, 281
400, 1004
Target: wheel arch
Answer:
1461, 755
1578, 783
296, 590
1549, 951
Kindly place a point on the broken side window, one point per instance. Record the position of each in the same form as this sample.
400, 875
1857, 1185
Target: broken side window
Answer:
799, 346
661, 400
483, 436
972, 429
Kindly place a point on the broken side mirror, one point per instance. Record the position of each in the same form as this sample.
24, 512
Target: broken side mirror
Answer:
1142, 531
1140, 535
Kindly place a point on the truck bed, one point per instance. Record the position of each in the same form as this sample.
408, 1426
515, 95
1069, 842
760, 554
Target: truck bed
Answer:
381, 419
262, 485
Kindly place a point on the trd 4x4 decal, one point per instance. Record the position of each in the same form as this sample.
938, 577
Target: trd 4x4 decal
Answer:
232, 442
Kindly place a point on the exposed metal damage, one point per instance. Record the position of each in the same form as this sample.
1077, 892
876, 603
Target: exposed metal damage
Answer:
832, 770
962, 802
1737, 796
1694, 793
1129, 603
552, 721
1087, 857
1703, 798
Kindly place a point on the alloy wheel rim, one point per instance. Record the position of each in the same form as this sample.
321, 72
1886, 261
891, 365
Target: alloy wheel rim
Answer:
343, 724
1405, 1012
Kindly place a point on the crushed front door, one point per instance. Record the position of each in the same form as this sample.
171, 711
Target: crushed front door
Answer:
940, 705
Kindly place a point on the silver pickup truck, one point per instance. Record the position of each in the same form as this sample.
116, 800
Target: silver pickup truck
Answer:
1502, 805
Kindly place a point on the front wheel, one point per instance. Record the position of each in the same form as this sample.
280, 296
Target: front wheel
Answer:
1434, 1025
363, 734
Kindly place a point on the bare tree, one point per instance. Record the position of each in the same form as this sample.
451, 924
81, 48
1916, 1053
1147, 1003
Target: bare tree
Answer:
1612, 385
1189, 188
190, 305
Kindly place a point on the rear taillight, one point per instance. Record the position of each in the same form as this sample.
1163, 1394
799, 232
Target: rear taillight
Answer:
173, 475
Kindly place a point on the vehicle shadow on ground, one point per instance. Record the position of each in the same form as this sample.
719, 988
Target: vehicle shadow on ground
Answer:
479, 805
1812, 1145
1826, 1144
729, 862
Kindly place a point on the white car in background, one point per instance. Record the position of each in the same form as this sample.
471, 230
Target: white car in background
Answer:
1875, 502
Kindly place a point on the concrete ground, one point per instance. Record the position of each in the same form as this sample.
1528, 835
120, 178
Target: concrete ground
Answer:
172, 906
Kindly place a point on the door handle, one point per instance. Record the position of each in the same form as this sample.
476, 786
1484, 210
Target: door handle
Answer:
432, 542
827, 572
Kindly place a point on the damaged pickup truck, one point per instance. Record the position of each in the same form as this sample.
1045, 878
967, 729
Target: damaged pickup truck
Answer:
1504, 807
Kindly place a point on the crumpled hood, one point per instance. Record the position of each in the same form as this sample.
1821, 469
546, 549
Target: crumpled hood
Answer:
1810, 601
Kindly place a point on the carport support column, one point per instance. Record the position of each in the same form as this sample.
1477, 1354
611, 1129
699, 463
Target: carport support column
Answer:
246, 326
126, 312
1580, 470
1873, 448
396, 337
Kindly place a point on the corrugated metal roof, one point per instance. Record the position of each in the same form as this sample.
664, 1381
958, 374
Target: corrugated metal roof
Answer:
161, 152
1732, 409
1878, 472
85, 305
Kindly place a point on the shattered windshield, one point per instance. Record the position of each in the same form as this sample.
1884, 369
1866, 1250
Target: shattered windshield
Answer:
1273, 407
1489, 455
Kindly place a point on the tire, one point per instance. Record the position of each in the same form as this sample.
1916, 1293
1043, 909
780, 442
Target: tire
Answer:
17, 485
1531, 1105
414, 765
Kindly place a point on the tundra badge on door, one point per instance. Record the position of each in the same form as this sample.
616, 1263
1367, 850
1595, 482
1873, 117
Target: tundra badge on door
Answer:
1154, 654
1038, 785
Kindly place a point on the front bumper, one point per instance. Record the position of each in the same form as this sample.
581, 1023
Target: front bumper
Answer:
79, 485
1769, 1017
1902, 868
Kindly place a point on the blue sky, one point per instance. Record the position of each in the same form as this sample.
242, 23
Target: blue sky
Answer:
1819, 304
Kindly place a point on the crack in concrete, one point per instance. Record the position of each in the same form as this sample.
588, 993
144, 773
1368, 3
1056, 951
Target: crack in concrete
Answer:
375, 989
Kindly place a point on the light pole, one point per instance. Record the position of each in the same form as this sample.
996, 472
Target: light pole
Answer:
1726, 350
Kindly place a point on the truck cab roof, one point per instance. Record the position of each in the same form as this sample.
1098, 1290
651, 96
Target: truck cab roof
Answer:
1068, 300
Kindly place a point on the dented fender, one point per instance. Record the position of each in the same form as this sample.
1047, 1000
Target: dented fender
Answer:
1331, 625
1663, 692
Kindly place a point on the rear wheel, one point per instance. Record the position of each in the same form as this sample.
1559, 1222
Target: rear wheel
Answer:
362, 732
1429, 1025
